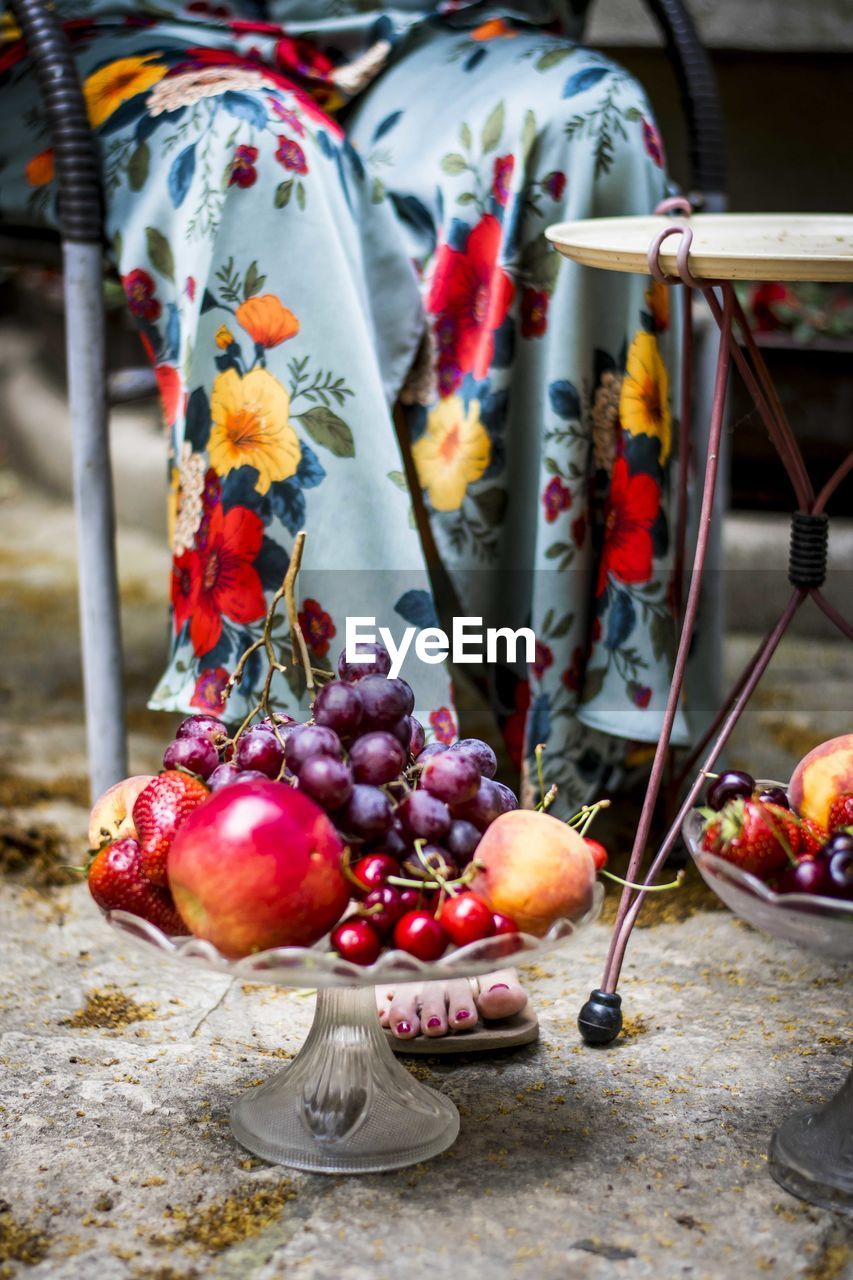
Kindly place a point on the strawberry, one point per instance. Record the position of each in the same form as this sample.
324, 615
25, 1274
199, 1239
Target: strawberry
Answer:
757, 836
840, 812
117, 883
159, 811
812, 837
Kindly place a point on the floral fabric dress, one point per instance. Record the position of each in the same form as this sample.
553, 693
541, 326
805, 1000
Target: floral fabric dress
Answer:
318, 211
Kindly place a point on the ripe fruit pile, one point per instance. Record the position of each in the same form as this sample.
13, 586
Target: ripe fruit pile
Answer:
758, 830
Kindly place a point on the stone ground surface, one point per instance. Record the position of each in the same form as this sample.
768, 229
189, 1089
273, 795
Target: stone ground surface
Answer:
645, 1160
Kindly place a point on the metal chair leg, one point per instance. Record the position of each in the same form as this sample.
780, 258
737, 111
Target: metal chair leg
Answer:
100, 625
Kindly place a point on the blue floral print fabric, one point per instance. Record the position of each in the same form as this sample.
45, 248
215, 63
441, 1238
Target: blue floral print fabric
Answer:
320, 213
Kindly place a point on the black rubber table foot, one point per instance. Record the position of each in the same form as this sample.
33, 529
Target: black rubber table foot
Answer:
600, 1019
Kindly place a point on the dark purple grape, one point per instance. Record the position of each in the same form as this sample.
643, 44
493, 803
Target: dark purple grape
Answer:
223, 775
810, 875
462, 840
326, 780
509, 800
775, 795
480, 752
391, 906
202, 726
376, 758
838, 842
402, 731
380, 665
259, 748
394, 842
310, 740
452, 776
367, 813
486, 805
418, 737
338, 707
198, 755
432, 749
385, 701
731, 785
840, 874
254, 775
424, 816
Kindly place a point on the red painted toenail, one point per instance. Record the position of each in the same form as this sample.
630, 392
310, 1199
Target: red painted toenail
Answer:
500, 986
404, 1028
434, 1022
462, 1015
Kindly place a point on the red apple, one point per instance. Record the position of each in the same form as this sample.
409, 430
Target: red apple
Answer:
258, 865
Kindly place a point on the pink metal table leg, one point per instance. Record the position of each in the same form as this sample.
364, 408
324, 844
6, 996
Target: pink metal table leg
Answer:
600, 1019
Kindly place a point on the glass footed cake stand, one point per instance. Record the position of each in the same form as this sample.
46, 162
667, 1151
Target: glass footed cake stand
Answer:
346, 1104
811, 1153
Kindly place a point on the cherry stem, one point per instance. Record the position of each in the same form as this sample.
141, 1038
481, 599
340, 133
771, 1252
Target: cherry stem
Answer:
539, 751
646, 888
583, 818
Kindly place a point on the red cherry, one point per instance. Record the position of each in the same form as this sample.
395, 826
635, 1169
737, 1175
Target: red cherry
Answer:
388, 906
599, 853
504, 924
355, 940
466, 918
421, 935
374, 869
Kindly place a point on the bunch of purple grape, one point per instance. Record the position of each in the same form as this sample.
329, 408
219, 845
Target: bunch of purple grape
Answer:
364, 760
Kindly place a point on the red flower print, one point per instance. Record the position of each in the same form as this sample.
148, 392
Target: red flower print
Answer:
317, 627
641, 694
512, 729
304, 58
653, 143
534, 313
224, 581
243, 171
182, 590
596, 631
189, 288
139, 288
443, 725
554, 183
555, 499
543, 660
169, 384
503, 168
287, 117
291, 155
210, 498
219, 11
632, 508
579, 531
470, 294
572, 677
209, 688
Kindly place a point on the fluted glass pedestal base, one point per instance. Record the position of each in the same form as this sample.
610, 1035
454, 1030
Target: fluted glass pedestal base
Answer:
345, 1104
811, 1154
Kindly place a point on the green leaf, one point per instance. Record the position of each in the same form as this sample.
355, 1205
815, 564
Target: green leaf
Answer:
552, 58
327, 429
547, 622
563, 627
300, 195
662, 635
377, 194
493, 128
399, 479
593, 683
528, 134
465, 136
160, 252
541, 260
633, 113
557, 549
491, 505
283, 192
467, 197
454, 163
137, 169
118, 244
254, 281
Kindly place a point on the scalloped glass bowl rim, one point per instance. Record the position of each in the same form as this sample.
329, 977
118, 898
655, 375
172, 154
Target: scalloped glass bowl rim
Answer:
319, 967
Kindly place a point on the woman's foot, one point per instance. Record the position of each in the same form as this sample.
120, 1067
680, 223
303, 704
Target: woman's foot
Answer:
440, 1008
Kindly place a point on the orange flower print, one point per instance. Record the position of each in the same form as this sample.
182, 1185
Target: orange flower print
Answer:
39, 170
266, 321
493, 29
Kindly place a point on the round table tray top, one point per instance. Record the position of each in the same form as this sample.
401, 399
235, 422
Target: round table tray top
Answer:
726, 246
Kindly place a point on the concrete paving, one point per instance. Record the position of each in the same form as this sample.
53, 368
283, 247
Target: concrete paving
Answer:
116, 1160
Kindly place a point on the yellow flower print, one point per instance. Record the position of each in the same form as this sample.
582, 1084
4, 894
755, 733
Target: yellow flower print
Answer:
644, 402
454, 451
223, 337
112, 85
251, 427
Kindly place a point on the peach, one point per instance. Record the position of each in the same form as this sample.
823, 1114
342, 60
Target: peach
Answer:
111, 817
535, 869
821, 777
